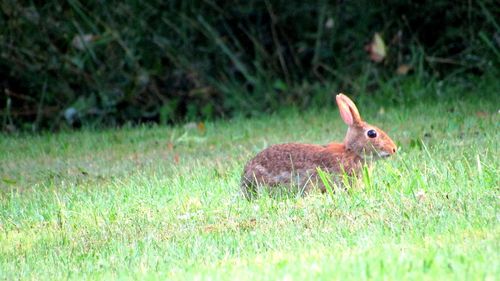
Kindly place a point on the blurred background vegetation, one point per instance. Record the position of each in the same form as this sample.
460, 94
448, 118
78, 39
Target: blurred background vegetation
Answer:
107, 63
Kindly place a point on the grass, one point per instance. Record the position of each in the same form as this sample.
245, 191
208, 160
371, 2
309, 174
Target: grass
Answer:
164, 202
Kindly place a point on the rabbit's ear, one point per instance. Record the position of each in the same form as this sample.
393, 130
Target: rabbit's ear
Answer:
348, 110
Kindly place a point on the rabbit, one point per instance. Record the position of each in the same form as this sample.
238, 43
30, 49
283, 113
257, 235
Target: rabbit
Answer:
296, 164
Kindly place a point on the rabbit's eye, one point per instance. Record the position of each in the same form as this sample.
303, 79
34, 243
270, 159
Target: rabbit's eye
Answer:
371, 134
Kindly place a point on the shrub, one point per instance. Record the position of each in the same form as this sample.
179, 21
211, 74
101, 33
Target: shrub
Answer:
110, 62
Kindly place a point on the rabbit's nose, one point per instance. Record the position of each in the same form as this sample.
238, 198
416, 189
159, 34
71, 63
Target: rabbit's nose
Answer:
394, 149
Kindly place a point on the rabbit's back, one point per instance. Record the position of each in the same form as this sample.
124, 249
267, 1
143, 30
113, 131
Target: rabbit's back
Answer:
295, 164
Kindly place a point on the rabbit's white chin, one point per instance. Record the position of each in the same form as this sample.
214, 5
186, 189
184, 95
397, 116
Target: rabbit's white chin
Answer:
375, 155
384, 154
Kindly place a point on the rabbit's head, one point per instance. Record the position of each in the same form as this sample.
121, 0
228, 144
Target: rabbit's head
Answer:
362, 138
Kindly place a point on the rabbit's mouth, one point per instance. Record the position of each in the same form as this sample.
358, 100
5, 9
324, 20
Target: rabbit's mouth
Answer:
383, 154
373, 154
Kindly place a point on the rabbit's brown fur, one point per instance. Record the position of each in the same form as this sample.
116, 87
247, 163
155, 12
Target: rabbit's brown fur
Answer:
295, 164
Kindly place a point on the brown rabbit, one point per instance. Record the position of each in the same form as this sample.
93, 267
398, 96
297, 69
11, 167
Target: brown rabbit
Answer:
295, 164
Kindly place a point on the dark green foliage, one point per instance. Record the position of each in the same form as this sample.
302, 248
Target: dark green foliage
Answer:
116, 61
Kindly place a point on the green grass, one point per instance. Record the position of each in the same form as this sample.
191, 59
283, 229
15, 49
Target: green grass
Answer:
164, 202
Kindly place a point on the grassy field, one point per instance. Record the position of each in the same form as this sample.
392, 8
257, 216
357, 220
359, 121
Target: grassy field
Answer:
164, 202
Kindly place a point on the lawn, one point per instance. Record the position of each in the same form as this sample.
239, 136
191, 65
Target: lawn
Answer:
160, 202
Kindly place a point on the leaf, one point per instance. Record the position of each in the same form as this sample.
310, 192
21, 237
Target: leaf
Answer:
201, 127
481, 114
83, 171
403, 69
170, 146
420, 195
190, 126
280, 85
80, 42
376, 49
9, 181
329, 23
